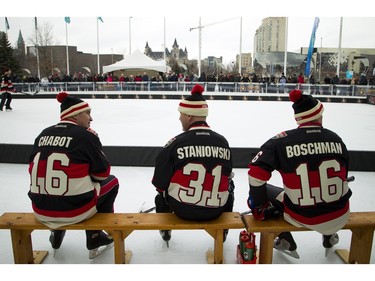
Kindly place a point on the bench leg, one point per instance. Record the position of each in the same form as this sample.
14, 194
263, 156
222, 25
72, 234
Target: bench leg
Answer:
266, 247
119, 245
361, 245
218, 235
22, 246
218, 247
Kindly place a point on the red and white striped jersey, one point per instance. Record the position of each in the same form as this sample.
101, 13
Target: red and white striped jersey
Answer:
66, 165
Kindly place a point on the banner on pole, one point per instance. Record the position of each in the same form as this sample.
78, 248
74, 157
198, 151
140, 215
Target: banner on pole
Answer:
67, 19
311, 47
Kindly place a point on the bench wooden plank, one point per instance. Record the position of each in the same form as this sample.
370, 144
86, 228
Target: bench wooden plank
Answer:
119, 225
361, 224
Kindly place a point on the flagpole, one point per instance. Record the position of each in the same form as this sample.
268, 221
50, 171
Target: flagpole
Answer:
286, 46
130, 36
97, 36
67, 49
240, 57
339, 53
36, 46
164, 42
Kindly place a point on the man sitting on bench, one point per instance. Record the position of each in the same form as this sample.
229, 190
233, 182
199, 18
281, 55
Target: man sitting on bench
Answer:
193, 172
313, 163
70, 175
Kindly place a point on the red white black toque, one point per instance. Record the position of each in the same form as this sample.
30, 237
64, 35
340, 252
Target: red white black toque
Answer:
194, 104
306, 107
71, 106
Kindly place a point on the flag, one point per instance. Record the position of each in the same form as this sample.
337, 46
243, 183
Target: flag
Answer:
100, 18
6, 23
36, 23
311, 47
67, 19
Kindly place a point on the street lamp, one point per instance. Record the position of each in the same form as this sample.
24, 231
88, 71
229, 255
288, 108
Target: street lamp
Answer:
320, 60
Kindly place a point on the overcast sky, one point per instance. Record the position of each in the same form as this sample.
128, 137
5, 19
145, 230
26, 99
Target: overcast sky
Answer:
156, 21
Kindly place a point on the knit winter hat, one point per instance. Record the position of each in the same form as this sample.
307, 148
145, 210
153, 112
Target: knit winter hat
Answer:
306, 107
71, 106
194, 104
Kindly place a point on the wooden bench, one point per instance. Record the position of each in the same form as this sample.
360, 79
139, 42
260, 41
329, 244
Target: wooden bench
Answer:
361, 224
120, 226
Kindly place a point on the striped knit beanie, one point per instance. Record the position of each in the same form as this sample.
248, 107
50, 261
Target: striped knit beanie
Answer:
306, 107
71, 106
194, 104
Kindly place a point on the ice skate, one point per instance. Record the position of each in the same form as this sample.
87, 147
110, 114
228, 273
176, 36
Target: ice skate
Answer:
286, 247
329, 241
166, 235
56, 237
8, 109
98, 242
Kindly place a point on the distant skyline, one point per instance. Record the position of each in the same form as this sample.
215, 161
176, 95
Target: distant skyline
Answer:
220, 33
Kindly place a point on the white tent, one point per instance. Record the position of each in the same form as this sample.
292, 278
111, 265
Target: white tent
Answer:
137, 61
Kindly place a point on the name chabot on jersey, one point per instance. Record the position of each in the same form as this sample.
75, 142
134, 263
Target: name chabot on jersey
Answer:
313, 148
55, 141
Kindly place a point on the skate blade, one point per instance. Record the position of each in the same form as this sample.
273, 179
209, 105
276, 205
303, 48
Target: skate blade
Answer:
54, 252
292, 254
94, 253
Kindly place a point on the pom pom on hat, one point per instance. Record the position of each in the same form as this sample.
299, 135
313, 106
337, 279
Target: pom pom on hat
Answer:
306, 107
70, 106
197, 89
61, 96
194, 104
295, 95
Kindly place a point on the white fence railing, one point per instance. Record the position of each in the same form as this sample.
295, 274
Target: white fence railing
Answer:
226, 87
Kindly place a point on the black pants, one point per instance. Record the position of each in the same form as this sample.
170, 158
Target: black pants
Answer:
6, 96
166, 204
108, 193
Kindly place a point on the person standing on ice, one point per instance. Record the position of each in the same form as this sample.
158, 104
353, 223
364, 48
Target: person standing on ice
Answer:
6, 90
313, 163
193, 172
70, 178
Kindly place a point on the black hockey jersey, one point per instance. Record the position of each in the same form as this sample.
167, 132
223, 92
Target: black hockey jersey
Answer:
66, 165
313, 163
194, 167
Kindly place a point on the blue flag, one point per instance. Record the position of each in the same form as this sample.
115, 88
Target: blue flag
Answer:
7, 23
311, 47
100, 18
67, 19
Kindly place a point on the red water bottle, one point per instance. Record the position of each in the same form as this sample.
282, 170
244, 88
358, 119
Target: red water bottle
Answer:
243, 240
249, 249
248, 253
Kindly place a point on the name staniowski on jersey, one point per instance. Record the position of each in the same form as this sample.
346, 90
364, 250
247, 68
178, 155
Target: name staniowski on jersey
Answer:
203, 151
313, 148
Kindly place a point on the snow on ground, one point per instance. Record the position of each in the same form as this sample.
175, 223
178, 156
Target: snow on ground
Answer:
153, 123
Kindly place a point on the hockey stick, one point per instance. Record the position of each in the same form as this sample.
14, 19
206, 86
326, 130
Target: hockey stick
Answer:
350, 179
28, 94
149, 210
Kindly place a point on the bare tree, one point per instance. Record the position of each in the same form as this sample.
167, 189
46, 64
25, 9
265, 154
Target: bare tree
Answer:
43, 39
